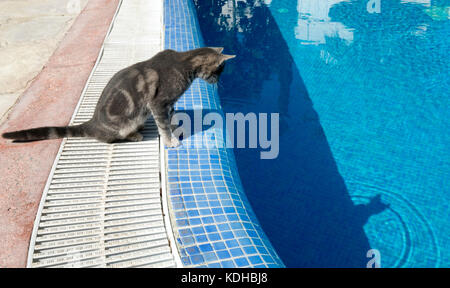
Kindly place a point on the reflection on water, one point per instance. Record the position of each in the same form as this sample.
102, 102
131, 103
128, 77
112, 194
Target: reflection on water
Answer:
378, 78
247, 29
426, 3
314, 24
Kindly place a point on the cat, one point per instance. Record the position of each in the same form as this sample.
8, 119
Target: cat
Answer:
132, 94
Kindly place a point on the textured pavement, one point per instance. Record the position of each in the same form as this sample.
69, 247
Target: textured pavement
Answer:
30, 31
50, 99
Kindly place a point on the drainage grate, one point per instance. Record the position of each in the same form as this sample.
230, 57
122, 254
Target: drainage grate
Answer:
102, 205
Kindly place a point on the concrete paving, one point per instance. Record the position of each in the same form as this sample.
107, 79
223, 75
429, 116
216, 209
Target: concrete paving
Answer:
30, 31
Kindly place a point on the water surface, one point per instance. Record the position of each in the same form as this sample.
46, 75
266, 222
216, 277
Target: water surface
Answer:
362, 92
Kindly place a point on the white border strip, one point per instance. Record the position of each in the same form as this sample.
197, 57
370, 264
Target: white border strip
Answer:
165, 208
163, 171
37, 220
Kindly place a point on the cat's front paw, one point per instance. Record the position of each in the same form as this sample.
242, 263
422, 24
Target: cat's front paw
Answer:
172, 143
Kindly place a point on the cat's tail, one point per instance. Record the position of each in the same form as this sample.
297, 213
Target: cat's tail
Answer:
43, 133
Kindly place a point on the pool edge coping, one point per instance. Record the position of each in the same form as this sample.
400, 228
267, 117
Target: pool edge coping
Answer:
236, 180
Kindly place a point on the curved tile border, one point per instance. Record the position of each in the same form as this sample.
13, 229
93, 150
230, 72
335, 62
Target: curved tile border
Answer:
212, 220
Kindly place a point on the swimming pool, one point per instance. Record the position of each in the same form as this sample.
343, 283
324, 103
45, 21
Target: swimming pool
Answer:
362, 92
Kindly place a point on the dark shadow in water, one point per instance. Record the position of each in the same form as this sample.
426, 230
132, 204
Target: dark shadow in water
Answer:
300, 198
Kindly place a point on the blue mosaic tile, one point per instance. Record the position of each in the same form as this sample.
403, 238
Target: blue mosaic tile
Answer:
206, 247
197, 259
219, 246
212, 219
187, 240
241, 262
228, 264
201, 238
255, 259
214, 236
237, 252
186, 261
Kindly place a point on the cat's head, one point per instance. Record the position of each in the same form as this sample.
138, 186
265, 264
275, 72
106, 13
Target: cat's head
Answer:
209, 63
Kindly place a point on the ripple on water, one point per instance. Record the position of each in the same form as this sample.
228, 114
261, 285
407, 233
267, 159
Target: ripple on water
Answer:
401, 233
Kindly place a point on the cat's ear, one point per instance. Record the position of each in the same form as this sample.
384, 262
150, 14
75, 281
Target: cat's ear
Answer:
225, 57
217, 49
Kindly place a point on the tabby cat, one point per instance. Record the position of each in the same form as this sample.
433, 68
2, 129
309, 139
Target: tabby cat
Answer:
132, 94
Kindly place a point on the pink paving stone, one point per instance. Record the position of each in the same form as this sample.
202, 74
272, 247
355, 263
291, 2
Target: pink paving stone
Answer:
50, 100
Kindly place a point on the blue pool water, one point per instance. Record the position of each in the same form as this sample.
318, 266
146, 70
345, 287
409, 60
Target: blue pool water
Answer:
362, 92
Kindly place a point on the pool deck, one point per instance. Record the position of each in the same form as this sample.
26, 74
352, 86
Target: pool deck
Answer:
50, 98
